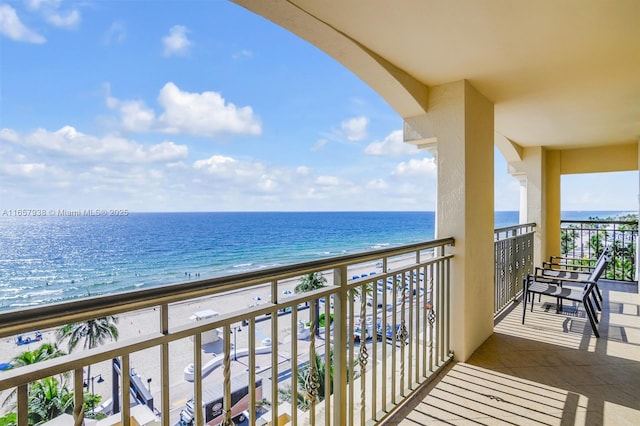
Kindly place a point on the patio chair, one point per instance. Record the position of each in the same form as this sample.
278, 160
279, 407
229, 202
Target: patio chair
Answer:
557, 267
564, 278
553, 286
575, 264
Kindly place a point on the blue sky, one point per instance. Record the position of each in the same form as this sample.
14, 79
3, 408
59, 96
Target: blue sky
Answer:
203, 106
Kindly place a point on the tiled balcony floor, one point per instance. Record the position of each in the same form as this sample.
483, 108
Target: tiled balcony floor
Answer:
549, 371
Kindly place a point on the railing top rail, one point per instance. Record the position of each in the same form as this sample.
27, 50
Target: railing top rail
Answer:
514, 227
13, 322
599, 222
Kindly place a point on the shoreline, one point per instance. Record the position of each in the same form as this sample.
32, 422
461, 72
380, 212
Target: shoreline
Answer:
60, 287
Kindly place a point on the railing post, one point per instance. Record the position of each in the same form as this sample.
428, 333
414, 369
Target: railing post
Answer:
78, 397
23, 405
164, 359
125, 374
197, 379
340, 347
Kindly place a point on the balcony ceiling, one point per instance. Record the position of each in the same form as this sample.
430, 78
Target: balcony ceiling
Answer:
560, 73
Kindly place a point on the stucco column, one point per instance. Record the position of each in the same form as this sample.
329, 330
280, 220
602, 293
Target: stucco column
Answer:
552, 179
522, 218
463, 123
531, 172
524, 191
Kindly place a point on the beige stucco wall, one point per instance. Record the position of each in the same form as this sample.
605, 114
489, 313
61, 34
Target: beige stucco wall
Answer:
463, 124
612, 158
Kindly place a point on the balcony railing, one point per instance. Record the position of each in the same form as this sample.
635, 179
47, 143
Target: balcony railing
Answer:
584, 240
513, 261
381, 330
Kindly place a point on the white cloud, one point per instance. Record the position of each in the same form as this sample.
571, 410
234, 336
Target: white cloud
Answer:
244, 53
12, 27
38, 4
328, 180
233, 178
136, 117
415, 167
69, 169
116, 33
392, 146
319, 145
71, 144
377, 184
355, 129
215, 164
176, 43
9, 135
69, 20
198, 114
28, 170
267, 183
49, 10
85, 171
204, 113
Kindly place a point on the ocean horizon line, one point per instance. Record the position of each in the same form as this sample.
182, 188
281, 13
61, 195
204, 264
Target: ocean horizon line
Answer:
630, 211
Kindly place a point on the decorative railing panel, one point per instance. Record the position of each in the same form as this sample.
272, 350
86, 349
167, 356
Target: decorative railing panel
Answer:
248, 346
513, 261
584, 241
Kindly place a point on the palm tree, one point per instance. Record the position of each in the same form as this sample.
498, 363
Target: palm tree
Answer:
91, 333
303, 402
9, 419
44, 352
309, 282
567, 240
48, 399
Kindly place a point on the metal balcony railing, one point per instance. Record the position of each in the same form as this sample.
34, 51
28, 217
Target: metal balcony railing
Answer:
513, 261
584, 241
240, 346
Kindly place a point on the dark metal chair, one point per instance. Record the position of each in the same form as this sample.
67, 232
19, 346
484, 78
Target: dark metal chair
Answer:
555, 287
567, 270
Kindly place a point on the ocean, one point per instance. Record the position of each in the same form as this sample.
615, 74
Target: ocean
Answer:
58, 258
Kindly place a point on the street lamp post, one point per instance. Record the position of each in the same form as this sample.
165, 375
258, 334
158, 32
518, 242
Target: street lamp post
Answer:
93, 393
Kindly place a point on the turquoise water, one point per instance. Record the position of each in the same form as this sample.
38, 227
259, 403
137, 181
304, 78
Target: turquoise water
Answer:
56, 258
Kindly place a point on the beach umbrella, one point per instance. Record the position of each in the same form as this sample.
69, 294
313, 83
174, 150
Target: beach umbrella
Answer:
287, 292
257, 298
